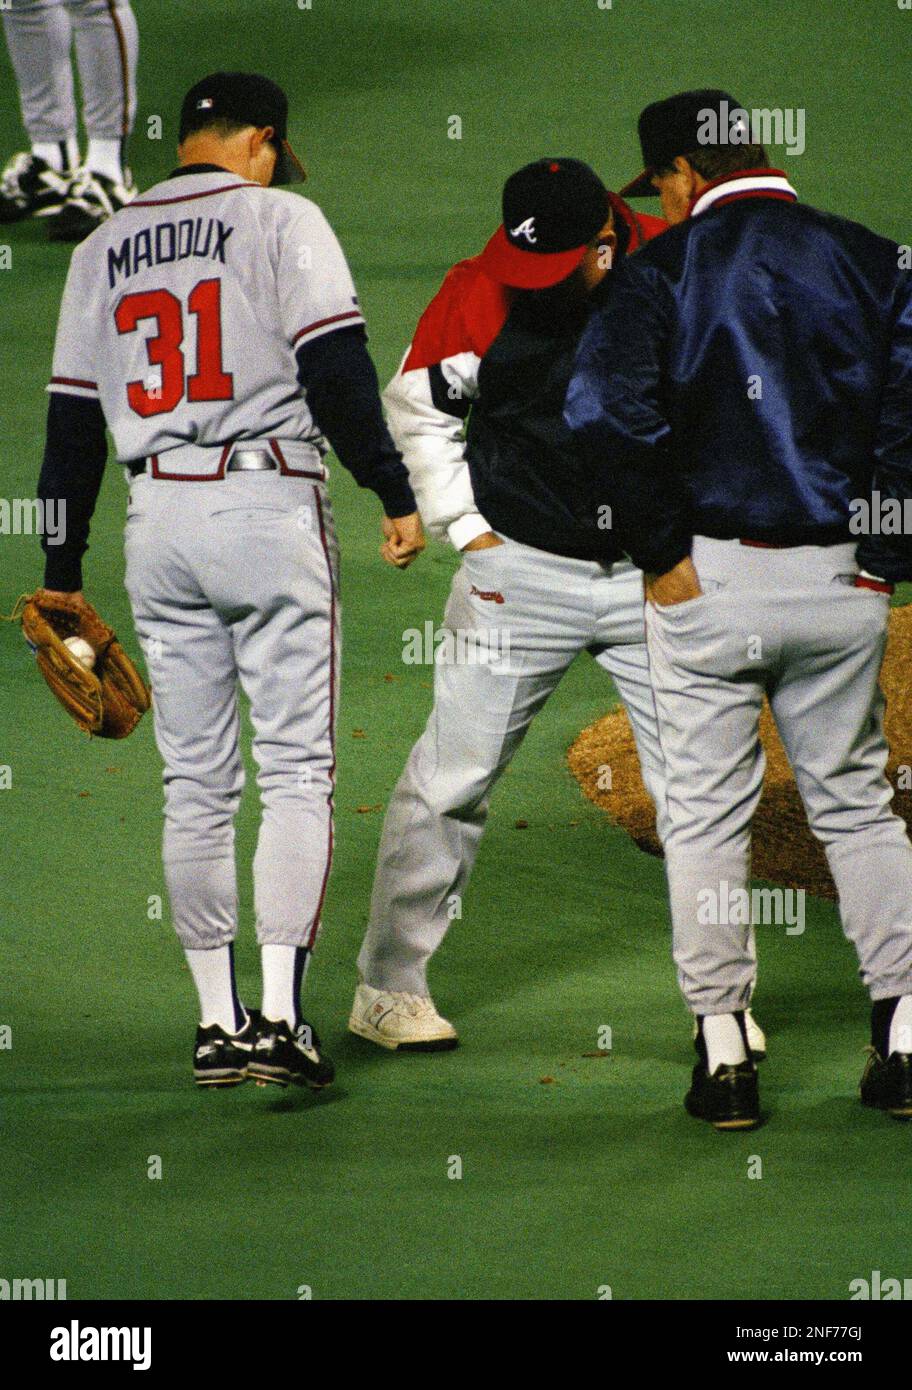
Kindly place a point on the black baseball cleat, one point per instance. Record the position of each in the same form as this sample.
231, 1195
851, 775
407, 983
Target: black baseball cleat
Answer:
283, 1054
220, 1058
29, 187
91, 200
887, 1085
729, 1099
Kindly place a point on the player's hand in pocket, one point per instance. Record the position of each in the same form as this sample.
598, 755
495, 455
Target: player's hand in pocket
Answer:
485, 541
675, 586
404, 540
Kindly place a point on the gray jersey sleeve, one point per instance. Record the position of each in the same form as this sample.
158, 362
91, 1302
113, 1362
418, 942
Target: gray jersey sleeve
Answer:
76, 349
316, 291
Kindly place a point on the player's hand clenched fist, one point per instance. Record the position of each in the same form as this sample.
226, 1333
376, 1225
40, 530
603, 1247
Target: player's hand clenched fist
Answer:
404, 540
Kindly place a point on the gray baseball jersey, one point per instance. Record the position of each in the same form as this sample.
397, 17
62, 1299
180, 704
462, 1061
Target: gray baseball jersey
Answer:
183, 313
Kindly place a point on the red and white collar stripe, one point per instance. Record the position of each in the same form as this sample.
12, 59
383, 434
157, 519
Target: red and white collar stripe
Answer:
749, 183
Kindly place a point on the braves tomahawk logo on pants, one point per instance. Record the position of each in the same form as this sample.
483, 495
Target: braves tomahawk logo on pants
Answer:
214, 326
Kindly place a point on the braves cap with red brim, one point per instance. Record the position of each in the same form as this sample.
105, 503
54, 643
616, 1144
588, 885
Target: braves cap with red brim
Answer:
552, 211
527, 270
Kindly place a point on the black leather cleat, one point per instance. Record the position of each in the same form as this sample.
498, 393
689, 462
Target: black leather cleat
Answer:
284, 1055
887, 1085
220, 1058
729, 1099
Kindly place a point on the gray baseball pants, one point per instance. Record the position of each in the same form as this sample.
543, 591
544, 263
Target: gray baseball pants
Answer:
788, 624
545, 609
39, 35
235, 583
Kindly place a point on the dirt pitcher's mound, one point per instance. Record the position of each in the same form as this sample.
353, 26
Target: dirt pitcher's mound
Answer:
784, 849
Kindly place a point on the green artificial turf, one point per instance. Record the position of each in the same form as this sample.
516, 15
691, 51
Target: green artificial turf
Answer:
595, 1177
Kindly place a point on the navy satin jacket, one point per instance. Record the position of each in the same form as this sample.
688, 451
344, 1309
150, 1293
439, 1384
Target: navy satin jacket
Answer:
750, 375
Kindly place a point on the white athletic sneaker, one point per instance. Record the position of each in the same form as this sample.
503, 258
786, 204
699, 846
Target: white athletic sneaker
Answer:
756, 1038
408, 1022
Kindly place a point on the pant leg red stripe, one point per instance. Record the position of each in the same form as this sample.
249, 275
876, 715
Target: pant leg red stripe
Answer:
312, 932
124, 69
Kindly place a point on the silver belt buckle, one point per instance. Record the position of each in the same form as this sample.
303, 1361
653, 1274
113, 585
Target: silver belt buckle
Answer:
250, 461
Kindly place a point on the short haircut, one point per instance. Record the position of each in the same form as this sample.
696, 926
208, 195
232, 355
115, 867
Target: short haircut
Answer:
715, 161
222, 126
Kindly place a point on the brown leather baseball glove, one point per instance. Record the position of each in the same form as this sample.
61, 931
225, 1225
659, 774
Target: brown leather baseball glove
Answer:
110, 699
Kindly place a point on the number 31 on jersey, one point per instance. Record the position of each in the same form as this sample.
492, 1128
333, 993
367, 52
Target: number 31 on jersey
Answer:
210, 382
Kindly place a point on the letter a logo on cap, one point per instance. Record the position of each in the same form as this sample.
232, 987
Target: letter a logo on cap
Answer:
526, 229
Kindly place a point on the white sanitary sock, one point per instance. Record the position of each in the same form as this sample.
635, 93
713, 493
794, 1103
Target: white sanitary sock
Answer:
724, 1041
104, 158
284, 972
213, 975
901, 1025
54, 151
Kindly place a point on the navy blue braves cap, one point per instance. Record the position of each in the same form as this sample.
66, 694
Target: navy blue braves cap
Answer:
251, 99
673, 126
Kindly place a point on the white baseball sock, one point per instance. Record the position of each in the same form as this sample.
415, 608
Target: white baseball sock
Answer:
54, 152
284, 973
724, 1041
901, 1025
104, 157
213, 975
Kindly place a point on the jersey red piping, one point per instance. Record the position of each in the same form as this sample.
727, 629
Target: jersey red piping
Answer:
73, 381
286, 468
324, 323
314, 926
192, 477
188, 197
124, 68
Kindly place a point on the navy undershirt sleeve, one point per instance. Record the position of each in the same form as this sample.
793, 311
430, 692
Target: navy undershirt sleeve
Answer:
343, 395
75, 454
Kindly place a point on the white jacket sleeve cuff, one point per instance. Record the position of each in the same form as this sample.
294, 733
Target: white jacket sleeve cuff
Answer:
467, 528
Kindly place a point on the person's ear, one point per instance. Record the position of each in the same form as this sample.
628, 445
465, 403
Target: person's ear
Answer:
694, 179
258, 138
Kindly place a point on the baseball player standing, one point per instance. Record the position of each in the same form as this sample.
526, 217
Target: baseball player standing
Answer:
752, 378
49, 181
213, 325
537, 567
